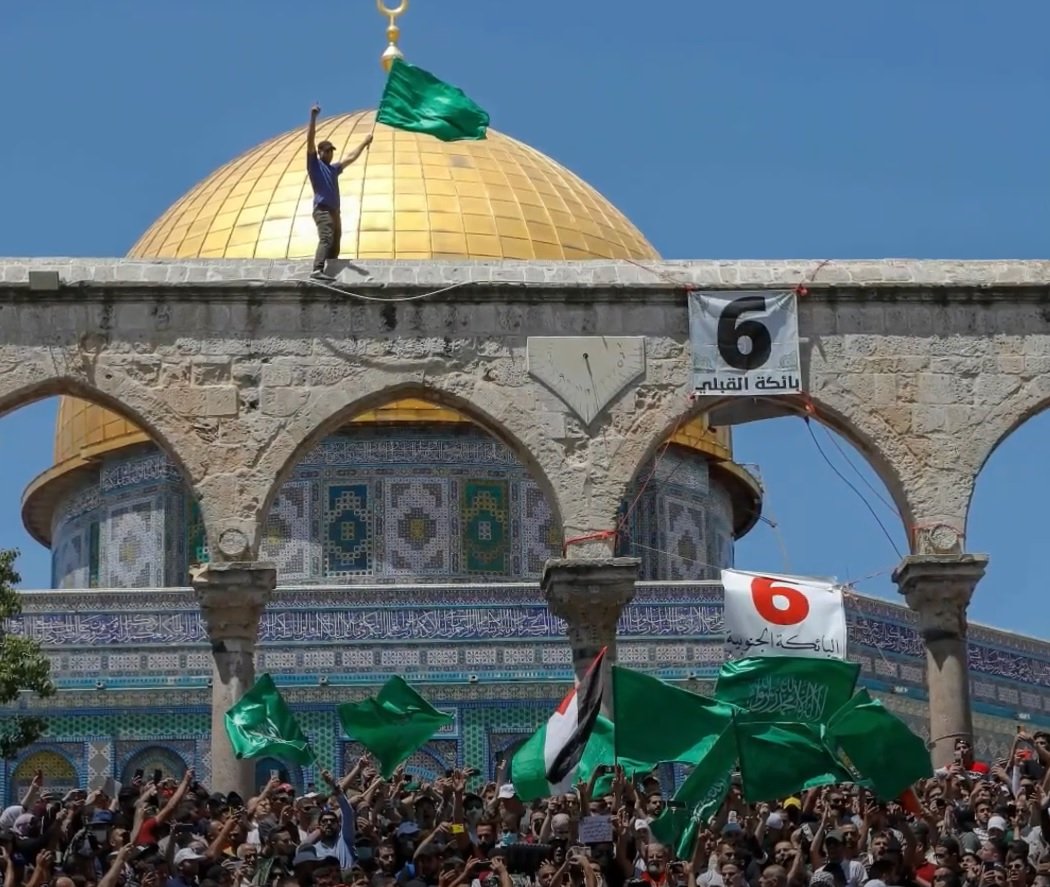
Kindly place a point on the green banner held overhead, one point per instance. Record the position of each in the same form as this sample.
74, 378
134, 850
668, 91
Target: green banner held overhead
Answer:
415, 100
874, 744
786, 688
261, 724
393, 724
780, 759
699, 797
656, 722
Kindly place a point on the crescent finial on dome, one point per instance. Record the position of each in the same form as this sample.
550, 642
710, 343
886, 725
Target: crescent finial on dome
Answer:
392, 32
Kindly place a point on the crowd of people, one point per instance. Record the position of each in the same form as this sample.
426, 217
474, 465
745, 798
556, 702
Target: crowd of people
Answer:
974, 825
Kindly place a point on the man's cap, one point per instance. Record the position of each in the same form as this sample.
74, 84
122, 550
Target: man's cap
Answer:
507, 791
732, 828
997, 822
307, 853
408, 827
324, 143
187, 854
102, 817
218, 799
774, 820
792, 802
836, 835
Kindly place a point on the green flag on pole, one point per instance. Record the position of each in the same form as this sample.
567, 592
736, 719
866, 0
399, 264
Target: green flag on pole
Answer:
393, 724
601, 750
779, 759
657, 722
261, 724
417, 101
699, 797
786, 688
875, 745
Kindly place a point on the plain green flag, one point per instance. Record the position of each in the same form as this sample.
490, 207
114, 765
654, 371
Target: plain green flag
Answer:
393, 724
699, 796
261, 724
416, 100
786, 688
601, 750
875, 745
657, 722
779, 759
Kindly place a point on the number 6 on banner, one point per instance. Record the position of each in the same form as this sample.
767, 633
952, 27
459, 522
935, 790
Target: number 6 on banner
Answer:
766, 593
770, 615
731, 330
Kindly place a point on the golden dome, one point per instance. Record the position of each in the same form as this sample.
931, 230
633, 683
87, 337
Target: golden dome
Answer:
409, 197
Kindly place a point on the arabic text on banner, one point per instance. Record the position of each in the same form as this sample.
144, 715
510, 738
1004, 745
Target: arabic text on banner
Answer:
770, 615
745, 343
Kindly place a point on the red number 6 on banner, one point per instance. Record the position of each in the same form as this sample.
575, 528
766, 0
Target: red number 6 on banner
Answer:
779, 604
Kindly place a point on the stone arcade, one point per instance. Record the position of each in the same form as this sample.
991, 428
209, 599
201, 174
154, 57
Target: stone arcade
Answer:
236, 369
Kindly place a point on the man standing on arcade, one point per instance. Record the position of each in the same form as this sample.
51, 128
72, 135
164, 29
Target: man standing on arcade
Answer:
324, 179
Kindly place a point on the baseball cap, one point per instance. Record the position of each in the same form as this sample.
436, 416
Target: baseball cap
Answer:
835, 835
791, 802
997, 822
507, 791
187, 854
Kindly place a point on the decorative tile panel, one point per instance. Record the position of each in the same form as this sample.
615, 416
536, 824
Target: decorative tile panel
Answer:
484, 526
416, 527
290, 532
348, 530
134, 551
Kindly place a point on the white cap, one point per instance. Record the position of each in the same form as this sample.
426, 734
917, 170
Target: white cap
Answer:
774, 820
997, 822
507, 790
187, 854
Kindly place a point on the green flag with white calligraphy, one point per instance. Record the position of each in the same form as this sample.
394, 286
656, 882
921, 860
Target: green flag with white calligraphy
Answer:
786, 688
261, 724
699, 797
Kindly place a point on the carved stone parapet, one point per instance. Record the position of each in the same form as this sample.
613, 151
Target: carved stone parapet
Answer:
232, 598
590, 596
939, 588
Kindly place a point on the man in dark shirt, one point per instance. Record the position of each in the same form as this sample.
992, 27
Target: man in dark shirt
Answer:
324, 178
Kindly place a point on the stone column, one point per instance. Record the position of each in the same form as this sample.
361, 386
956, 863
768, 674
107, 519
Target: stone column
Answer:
938, 587
232, 598
590, 596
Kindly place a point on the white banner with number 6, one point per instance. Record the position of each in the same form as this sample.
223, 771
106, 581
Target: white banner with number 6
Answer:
769, 615
745, 343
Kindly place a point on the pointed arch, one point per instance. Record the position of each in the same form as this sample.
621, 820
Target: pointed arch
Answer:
486, 405
868, 434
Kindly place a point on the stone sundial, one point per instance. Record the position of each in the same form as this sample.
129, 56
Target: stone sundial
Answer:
586, 372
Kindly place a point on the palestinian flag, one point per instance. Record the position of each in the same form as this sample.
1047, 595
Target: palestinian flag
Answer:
548, 761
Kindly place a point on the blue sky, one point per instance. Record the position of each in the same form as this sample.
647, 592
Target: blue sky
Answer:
734, 130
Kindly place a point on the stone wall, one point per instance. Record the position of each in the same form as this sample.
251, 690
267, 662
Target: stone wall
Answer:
238, 368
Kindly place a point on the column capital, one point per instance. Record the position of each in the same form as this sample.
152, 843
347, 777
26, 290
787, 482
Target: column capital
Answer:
232, 598
938, 587
590, 593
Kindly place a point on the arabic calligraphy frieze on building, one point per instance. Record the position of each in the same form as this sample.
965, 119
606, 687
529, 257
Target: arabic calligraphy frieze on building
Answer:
485, 613
360, 624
